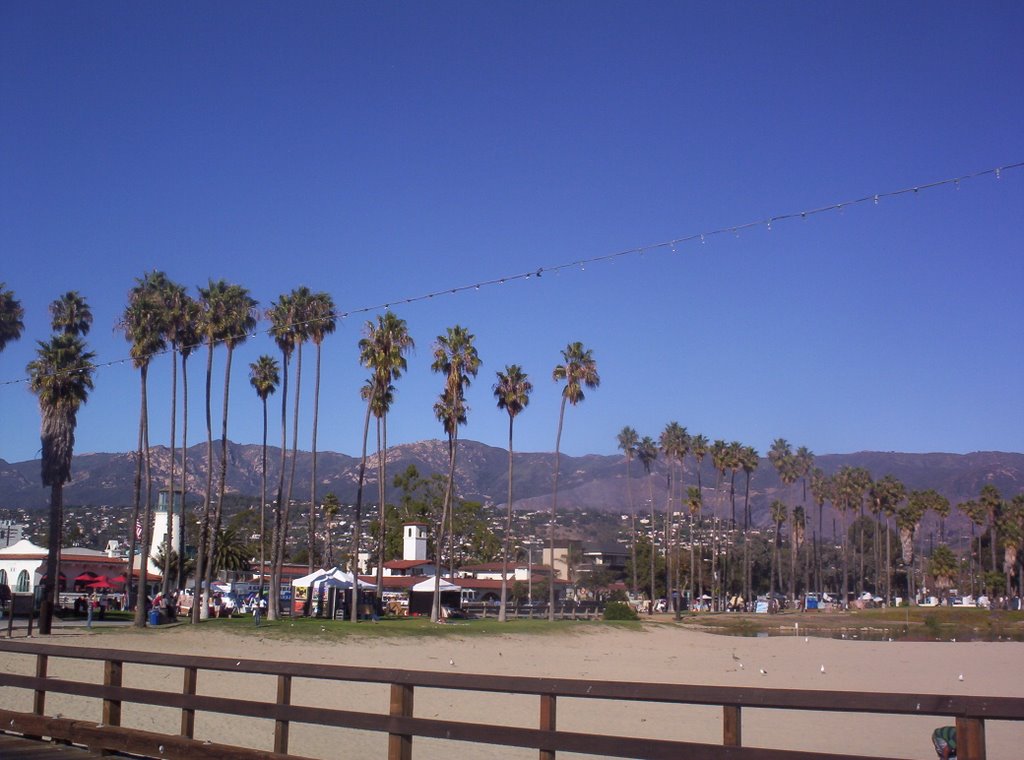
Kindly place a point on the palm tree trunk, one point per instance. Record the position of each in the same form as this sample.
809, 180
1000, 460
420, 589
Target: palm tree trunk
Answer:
358, 521
184, 468
169, 531
133, 532
222, 484
280, 527
654, 526
381, 537
263, 504
51, 587
502, 616
435, 609
200, 600
140, 609
312, 487
632, 519
668, 542
747, 581
554, 512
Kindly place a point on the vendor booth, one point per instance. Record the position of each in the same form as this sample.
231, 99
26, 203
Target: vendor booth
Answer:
421, 596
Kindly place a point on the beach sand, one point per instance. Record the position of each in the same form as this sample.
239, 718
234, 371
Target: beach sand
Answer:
658, 653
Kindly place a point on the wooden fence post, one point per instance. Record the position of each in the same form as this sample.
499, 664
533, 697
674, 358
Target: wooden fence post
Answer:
284, 697
112, 672
400, 745
188, 715
970, 739
732, 729
548, 704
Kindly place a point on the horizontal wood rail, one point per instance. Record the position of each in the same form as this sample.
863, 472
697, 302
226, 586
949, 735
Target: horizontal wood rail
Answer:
970, 713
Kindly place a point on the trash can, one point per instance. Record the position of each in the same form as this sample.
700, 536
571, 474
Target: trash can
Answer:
154, 616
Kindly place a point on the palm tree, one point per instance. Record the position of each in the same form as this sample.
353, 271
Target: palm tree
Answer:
383, 350
749, 461
647, 453
907, 520
720, 461
284, 317
886, 496
693, 502
184, 332
943, 567
321, 323
821, 491
61, 377
1011, 528
789, 469
172, 300
798, 525
699, 446
144, 327
331, 508
578, 370
974, 512
513, 394
231, 315
850, 484
674, 443
457, 359
264, 376
11, 317
734, 461
993, 504
778, 509
628, 440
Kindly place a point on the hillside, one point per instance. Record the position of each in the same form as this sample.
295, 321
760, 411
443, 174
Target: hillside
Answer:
588, 482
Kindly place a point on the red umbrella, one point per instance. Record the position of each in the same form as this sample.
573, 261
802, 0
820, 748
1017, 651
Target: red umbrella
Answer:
100, 582
119, 579
85, 577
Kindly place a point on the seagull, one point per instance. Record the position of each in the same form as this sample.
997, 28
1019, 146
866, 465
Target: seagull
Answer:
734, 656
822, 668
764, 672
806, 639
960, 677
741, 666
451, 662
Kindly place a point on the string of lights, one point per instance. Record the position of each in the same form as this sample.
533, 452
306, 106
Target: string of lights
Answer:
672, 245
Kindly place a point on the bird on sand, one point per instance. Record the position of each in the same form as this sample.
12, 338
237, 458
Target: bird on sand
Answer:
822, 668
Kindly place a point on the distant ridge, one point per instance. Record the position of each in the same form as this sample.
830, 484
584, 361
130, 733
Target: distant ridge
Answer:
593, 481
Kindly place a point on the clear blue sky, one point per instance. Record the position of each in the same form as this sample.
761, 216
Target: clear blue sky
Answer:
383, 150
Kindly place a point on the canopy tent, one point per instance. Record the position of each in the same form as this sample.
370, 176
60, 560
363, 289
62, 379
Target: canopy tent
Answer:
345, 577
428, 585
307, 580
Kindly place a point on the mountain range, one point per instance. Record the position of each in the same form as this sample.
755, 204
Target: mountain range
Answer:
595, 482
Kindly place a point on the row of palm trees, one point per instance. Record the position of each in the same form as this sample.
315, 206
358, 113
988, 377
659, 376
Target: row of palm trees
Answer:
162, 318
849, 491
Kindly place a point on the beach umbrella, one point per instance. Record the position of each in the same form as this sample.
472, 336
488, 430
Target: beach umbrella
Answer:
85, 577
119, 579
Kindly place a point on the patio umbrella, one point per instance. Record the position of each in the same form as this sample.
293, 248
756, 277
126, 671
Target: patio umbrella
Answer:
98, 584
85, 577
119, 579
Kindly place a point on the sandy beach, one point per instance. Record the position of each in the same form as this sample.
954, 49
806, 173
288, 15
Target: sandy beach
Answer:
657, 653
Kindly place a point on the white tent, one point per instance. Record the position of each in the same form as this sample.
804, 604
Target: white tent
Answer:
428, 585
346, 578
308, 580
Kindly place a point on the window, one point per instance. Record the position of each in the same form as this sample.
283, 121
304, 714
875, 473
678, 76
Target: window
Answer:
22, 587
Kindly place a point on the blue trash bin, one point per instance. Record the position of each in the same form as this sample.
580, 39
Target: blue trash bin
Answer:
154, 617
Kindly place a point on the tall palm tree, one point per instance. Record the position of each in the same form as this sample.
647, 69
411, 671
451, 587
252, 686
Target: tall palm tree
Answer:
11, 317
975, 513
699, 446
233, 312
907, 520
798, 525
61, 377
332, 505
647, 453
322, 321
264, 376
720, 460
383, 350
821, 491
284, 316
456, 358
778, 510
693, 503
788, 467
749, 461
172, 301
513, 394
143, 323
578, 370
184, 332
628, 441
675, 443
993, 504
1011, 528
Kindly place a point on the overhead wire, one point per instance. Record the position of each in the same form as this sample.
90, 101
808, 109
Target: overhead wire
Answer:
538, 272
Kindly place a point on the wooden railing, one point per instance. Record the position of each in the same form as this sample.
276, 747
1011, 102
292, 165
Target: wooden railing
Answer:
402, 726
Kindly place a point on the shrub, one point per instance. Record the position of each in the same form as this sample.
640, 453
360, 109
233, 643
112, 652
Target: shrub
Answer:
619, 611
